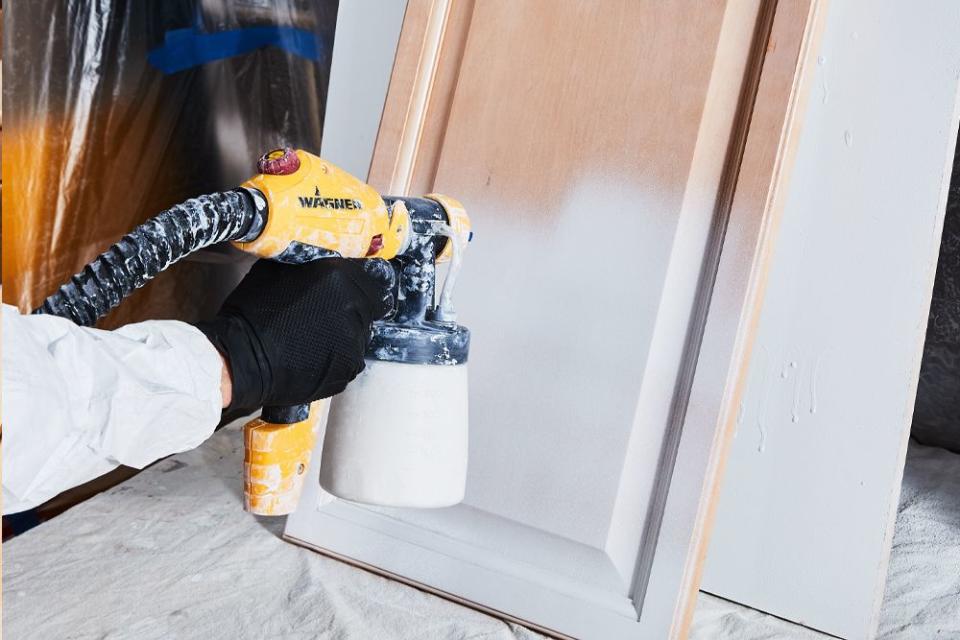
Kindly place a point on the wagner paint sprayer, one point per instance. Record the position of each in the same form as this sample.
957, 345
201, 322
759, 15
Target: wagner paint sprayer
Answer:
397, 436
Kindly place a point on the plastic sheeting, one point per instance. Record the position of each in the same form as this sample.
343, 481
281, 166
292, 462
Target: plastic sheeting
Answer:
938, 393
118, 109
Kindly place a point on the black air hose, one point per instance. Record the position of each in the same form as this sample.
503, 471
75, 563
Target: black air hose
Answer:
151, 248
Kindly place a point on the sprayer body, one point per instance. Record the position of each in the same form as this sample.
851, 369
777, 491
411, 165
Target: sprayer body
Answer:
315, 209
297, 209
398, 435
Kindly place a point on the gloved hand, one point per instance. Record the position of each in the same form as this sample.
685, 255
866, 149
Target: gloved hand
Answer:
295, 333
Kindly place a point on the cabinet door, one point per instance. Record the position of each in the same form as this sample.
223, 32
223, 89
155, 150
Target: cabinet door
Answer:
597, 148
810, 498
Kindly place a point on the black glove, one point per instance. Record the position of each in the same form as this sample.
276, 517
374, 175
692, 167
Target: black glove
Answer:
295, 333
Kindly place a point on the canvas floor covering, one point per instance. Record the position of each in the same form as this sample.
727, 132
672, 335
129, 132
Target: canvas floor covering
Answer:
170, 554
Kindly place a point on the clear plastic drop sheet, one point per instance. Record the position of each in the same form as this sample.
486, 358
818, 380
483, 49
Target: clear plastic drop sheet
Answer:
117, 109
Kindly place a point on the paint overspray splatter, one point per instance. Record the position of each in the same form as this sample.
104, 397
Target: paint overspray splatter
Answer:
764, 402
824, 89
802, 374
419, 332
814, 380
797, 382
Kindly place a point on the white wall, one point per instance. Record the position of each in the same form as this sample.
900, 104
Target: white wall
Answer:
363, 52
805, 518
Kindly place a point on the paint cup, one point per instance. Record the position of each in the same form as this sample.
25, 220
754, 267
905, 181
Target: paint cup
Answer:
397, 436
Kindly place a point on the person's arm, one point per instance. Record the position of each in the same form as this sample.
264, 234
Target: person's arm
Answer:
79, 402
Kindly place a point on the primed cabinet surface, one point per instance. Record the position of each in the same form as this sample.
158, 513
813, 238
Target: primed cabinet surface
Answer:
806, 513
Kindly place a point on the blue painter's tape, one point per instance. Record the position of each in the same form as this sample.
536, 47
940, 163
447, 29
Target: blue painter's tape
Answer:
186, 48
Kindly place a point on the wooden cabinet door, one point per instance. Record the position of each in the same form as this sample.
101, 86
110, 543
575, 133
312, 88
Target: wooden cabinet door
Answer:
597, 147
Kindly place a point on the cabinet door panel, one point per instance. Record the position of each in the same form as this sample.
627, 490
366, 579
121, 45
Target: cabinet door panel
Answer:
597, 148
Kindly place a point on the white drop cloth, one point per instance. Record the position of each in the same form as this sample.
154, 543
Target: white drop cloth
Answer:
170, 554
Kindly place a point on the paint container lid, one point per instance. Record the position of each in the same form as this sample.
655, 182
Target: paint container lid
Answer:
430, 342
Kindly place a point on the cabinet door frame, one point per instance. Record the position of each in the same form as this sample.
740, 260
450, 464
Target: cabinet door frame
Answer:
704, 406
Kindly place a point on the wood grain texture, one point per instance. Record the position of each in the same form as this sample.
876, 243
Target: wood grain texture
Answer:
414, 71
437, 112
546, 95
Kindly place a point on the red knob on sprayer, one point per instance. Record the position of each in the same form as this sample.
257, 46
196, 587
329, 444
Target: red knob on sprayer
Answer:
279, 162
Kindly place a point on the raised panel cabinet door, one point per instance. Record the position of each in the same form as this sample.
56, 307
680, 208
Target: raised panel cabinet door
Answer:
597, 148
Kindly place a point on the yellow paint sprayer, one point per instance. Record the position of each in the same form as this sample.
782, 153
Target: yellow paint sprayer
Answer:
301, 208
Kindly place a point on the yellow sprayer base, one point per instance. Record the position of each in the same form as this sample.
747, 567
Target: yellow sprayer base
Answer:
275, 463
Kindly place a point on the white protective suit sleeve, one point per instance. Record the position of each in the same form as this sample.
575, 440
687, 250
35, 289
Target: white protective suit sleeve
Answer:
78, 402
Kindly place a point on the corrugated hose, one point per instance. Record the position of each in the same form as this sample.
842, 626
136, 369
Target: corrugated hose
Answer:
152, 247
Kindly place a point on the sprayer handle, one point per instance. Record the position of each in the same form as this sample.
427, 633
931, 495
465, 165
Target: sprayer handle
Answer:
277, 450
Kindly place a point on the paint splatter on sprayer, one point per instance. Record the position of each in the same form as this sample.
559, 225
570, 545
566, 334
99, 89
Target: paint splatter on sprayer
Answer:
397, 435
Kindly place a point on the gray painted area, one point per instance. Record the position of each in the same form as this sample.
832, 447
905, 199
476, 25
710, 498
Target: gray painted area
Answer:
935, 416
805, 519
363, 51
549, 429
